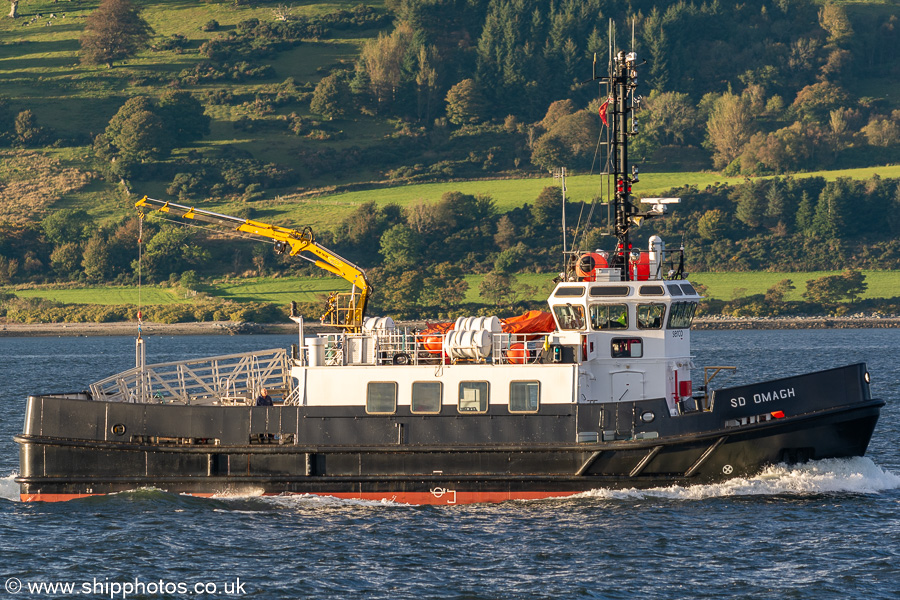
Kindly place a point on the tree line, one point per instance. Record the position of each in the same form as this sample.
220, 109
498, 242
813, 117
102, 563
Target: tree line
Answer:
488, 86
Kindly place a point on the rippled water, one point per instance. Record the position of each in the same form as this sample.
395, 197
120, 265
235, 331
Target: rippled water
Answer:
829, 529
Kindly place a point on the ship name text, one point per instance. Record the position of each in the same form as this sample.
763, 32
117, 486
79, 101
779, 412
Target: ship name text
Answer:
782, 394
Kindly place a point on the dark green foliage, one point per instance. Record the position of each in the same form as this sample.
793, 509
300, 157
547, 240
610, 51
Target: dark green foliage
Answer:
233, 172
28, 133
465, 104
175, 43
834, 288
332, 96
137, 132
183, 116
67, 225
171, 250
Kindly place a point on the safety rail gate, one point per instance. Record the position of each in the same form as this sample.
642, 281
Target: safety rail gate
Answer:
230, 378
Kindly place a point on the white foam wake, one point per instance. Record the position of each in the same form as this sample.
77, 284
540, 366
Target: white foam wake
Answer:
9, 489
845, 475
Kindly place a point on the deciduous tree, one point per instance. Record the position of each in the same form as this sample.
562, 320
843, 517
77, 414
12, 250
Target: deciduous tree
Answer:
464, 103
729, 127
849, 285
113, 32
331, 97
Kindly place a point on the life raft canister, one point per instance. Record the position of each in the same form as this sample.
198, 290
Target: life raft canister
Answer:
587, 264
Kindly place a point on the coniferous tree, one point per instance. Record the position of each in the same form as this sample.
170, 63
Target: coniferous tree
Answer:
113, 32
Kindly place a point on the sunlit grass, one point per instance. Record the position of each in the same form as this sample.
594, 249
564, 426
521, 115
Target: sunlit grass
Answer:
723, 286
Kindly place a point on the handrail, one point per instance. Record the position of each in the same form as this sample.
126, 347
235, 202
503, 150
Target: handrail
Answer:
204, 380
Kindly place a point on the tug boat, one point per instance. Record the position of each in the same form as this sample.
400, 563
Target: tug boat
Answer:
597, 392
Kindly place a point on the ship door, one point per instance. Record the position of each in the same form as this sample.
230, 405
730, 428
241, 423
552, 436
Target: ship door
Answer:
627, 386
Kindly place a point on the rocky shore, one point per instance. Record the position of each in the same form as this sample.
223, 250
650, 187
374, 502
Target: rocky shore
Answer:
235, 328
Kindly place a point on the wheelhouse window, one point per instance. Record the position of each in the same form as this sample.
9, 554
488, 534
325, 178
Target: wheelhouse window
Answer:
650, 316
652, 290
609, 316
524, 396
674, 289
569, 316
569, 292
426, 397
473, 396
627, 348
681, 315
381, 397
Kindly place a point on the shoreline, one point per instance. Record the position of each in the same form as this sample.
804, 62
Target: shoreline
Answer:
235, 328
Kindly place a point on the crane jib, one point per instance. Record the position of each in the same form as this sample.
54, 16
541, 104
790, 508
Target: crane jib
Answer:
350, 316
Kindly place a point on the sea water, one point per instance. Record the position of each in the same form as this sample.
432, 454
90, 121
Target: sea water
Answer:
826, 529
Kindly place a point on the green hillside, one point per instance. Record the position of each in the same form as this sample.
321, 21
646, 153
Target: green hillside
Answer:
416, 138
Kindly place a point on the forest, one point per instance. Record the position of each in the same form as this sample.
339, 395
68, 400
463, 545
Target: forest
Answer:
439, 90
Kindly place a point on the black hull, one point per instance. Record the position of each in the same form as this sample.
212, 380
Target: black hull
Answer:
428, 460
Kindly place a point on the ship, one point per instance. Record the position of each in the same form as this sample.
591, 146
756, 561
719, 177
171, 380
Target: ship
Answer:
595, 392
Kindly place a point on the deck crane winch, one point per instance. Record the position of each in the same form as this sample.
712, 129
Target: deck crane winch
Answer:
343, 309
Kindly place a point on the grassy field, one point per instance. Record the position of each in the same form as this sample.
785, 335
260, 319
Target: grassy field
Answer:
281, 290
881, 284
326, 210
105, 295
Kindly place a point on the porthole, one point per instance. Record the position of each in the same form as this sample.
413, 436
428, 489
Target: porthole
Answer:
118, 429
647, 416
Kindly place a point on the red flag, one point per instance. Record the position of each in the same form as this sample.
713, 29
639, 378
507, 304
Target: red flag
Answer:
603, 108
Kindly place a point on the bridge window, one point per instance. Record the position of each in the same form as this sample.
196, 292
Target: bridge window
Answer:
652, 290
609, 316
569, 316
627, 348
569, 291
650, 316
524, 396
381, 397
426, 397
610, 290
681, 315
473, 396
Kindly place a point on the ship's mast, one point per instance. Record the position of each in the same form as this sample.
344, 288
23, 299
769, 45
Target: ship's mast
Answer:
621, 83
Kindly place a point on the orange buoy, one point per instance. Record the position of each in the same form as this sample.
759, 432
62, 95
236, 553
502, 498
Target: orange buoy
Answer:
434, 344
517, 354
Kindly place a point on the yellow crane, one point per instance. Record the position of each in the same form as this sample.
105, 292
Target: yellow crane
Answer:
343, 309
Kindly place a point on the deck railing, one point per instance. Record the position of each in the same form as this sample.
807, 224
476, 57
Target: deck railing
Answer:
227, 379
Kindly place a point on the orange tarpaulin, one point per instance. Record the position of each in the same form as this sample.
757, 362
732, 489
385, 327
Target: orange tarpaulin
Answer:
534, 321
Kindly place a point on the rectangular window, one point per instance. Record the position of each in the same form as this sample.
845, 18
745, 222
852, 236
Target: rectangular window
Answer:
609, 316
650, 316
524, 396
473, 396
569, 316
569, 291
627, 348
381, 397
610, 290
426, 397
681, 314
